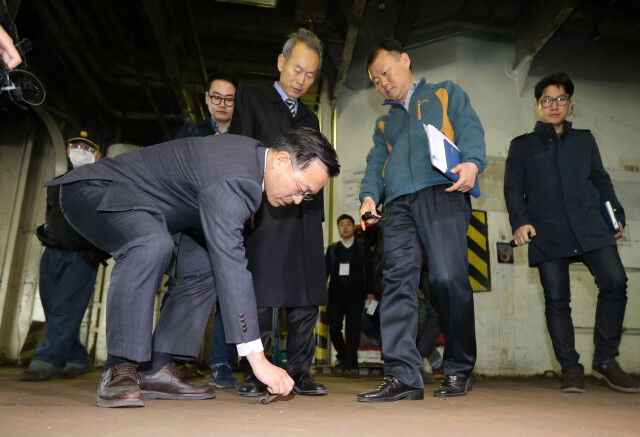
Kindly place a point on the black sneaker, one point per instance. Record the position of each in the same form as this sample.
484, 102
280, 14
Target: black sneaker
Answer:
71, 371
35, 374
573, 382
222, 376
617, 378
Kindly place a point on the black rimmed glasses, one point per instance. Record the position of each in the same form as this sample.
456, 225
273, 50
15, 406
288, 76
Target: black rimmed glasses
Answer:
300, 193
216, 100
546, 102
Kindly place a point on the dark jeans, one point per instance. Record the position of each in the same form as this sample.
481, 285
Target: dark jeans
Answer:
436, 222
221, 351
347, 351
606, 267
66, 285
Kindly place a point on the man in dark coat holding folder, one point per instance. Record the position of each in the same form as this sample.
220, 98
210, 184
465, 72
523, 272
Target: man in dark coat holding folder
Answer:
555, 187
135, 207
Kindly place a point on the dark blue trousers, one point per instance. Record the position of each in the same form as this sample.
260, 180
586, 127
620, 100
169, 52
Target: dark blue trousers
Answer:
606, 267
221, 351
436, 222
66, 285
301, 344
346, 344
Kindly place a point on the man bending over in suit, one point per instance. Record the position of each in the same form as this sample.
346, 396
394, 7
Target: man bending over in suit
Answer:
135, 207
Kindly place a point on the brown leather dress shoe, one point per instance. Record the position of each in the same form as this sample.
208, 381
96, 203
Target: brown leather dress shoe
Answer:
190, 371
119, 387
167, 383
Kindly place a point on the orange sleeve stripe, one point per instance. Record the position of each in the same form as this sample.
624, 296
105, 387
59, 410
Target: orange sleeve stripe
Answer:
389, 148
446, 129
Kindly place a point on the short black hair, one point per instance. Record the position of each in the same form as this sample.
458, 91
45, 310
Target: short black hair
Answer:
305, 144
221, 75
388, 44
345, 217
557, 79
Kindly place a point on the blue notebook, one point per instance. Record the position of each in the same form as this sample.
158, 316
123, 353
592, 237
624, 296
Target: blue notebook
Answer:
609, 217
445, 155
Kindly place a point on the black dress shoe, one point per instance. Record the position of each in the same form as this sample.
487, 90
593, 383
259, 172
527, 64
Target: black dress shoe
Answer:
452, 385
251, 386
305, 385
391, 389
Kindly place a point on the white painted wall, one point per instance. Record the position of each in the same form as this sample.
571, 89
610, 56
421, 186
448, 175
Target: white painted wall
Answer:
510, 325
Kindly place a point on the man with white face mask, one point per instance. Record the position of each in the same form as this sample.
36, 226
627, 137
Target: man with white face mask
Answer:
82, 147
68, 271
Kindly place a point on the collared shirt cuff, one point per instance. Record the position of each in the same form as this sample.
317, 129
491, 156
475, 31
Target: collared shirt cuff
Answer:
245, 349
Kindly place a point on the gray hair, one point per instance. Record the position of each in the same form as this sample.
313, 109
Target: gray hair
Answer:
305, 36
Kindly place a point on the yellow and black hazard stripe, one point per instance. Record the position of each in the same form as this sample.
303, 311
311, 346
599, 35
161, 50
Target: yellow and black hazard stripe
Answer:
35, 334
478, 247
321, 333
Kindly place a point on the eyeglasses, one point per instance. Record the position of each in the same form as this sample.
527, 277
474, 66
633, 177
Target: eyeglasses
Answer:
546, 102
300, 193
216, 100
82, 146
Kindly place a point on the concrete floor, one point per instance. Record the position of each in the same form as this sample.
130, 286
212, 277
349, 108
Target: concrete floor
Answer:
495, 407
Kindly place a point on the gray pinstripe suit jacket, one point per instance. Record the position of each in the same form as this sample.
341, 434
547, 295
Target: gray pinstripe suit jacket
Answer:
211, 183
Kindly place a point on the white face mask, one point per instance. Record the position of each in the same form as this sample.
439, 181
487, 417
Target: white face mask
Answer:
79, 157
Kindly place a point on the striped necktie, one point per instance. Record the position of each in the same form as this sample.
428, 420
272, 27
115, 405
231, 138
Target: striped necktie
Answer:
291, 104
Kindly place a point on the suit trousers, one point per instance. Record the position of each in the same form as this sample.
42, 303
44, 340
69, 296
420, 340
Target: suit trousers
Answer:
436, 222
347, 345
143, 249
301, 346
606, 267
429, 330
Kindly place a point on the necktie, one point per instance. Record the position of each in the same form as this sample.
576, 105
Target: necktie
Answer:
292, 106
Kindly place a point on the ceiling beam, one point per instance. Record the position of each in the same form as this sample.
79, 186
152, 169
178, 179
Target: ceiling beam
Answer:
169, 40
354, 16
536, 26
406, 18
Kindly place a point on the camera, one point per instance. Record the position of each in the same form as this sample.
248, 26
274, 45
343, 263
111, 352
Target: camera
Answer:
22, 86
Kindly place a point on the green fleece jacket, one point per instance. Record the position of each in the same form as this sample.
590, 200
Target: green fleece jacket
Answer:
399, 163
